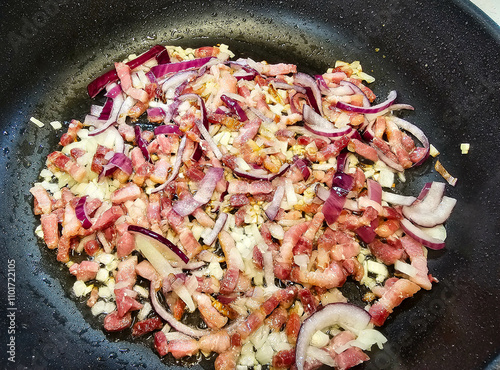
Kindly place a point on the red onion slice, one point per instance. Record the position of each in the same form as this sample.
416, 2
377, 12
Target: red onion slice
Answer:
178, 79
396, 199
188, 205
219, 225
367, 233
373, 109
356, 90
302, 165
119, 160
141, 143
430, 197
346, 315
274, 207
81, 213
321, 126
172, 321
161, 239
115, 110
374, 190
258, 175
431, 217
235, 107
175, 168
168, 130
162, 69
100, 82
421, 236
312, 90
341, 185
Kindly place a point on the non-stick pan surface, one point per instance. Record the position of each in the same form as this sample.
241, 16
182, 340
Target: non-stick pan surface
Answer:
443, 57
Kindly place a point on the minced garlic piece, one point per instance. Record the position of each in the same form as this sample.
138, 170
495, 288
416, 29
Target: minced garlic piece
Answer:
464, 147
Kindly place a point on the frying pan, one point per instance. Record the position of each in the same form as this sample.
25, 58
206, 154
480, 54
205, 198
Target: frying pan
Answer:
443, 57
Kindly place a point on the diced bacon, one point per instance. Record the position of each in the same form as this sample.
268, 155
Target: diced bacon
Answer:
253, 187
125, 244
351, 357
195, 174
203, 218
125, 301
66, 164
309, 302
146, 326
129, 192
283, 264
247, 132
418, 154
146, 270
333, 149
257, 258
137, 158
415, 251
94, 297
339, 244
114, 322
227, 84
278, 69
305, 243
160, 171
161, 343
353, 267
387, 228
50, 230
76, 153
99, 161
126, 272
84, 271
331, 277
70, 136
385, 252
218, 342
229, 160
210, 315
183, 347
385, 149
124, 74
108, 218
63, 249
227, 360
238, 200
91, 247
363, 150
71, 224
43, 201
208, 284
293, 327
277, 319
284, 359
229, 281
391, 298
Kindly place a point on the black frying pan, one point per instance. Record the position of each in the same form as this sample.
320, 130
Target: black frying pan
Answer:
442, 56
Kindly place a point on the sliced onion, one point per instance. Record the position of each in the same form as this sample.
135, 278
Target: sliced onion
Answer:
115, 110
175, 168
119, 160
141, 143
81, 213
274, 207
418, 133
420, 236
172, 321
321, 126
168, 130
322, 192
312, 90
235, 107
341, 185
203, 124
111, 76
342, 160
374, 190
345, 315
219, 225
163, 57
430, 197
257, 174
162, 69
356, 90
227, 298
373, 109
177, 80
302, 165
188, 205
396, 199
161, 239
430, 218
367, 233
389, 162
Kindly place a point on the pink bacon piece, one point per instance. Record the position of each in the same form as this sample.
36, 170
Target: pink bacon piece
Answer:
415, 251
66, 164
283, 264
124, 74
43, 201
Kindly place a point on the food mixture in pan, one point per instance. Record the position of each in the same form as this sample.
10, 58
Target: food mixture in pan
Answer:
241, 195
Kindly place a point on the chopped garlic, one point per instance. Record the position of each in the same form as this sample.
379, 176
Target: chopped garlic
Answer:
37, 122
433, 151
79, 288
319, 339
56, 125
464, 147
